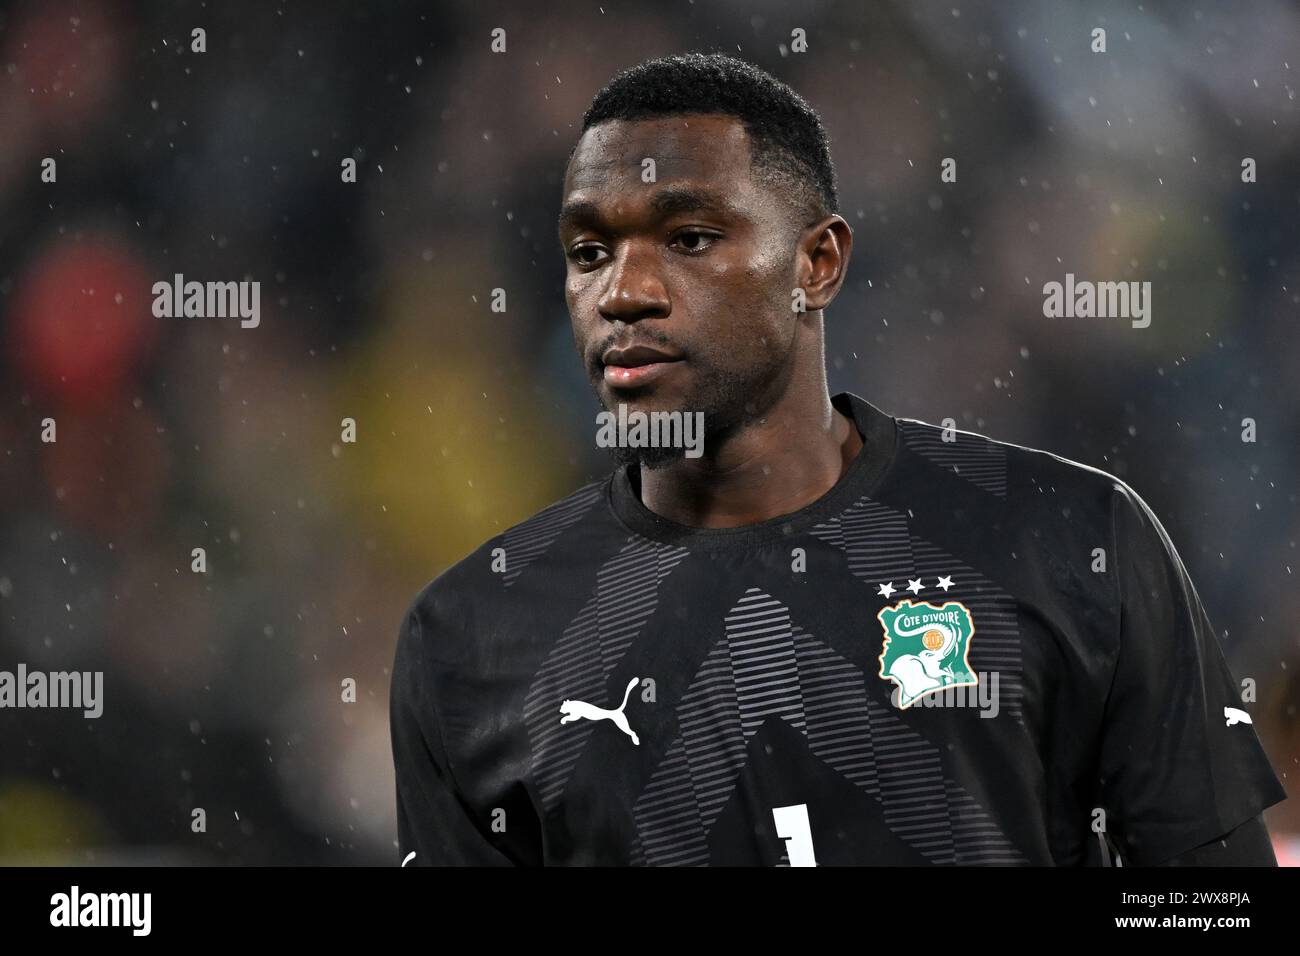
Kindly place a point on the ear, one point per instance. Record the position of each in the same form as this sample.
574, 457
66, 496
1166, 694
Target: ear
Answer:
823, 260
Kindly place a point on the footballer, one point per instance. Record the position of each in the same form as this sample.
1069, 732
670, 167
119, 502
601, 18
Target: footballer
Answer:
834, 636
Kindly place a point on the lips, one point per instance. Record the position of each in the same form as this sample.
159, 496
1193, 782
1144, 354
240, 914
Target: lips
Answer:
636, 365
637, 355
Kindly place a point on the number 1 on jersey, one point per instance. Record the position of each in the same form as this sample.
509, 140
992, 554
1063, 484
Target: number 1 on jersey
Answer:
792, 826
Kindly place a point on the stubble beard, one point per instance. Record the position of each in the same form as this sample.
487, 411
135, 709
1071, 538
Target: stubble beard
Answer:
730, 399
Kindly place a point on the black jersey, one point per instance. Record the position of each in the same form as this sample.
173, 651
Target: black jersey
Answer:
965, 652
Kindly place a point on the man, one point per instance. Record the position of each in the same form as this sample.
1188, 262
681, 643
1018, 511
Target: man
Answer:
835, 636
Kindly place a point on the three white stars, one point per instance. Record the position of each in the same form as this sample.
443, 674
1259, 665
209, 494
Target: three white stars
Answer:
914, 585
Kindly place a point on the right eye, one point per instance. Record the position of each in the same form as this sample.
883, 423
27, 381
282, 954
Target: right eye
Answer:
585, 255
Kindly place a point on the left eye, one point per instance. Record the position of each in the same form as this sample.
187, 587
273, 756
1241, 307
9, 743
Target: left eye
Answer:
694, 240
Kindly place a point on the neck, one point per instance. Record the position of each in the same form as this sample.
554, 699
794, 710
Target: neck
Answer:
777, 465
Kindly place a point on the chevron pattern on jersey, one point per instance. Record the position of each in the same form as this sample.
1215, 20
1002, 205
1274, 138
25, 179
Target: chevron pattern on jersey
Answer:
526, 541
765, 667
977, 459
579, 664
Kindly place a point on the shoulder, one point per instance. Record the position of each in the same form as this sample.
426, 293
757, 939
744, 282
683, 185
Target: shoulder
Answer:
461, 596
1029, 480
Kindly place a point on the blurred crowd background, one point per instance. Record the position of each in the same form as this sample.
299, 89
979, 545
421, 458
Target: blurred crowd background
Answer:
222, 690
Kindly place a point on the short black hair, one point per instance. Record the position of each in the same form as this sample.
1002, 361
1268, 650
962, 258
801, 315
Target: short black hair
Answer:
788, 143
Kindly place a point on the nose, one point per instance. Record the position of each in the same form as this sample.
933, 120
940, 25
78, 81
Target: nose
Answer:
634, 289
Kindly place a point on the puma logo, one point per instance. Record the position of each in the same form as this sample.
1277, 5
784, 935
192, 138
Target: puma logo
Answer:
1236, 716
581, 710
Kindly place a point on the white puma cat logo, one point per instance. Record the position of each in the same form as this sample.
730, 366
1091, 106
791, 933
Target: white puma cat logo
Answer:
1235, 716
580, 709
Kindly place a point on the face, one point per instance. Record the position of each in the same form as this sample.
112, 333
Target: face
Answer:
679, 290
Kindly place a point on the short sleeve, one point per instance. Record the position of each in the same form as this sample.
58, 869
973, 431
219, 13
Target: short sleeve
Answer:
1178, 765
433, 820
